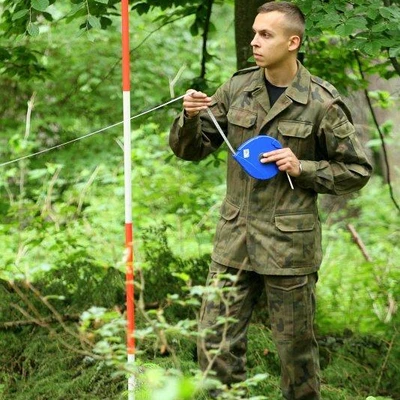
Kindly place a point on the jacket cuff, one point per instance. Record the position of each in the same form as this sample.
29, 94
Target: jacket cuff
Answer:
186, 121
308, 171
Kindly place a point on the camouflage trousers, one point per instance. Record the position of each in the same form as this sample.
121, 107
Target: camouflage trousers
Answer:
291, 307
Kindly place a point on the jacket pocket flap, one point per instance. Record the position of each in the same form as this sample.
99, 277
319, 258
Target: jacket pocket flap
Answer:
297, 129
229, 211
240, 117
295, 223
344, 130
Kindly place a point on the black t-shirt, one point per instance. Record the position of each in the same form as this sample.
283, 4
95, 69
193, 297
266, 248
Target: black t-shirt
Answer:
274, 92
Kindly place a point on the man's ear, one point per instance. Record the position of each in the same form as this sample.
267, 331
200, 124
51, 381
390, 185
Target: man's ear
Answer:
294, 43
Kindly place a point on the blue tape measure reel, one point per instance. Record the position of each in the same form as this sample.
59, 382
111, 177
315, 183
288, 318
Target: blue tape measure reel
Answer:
249, 153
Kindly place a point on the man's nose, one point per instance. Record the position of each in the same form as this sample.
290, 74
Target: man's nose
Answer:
254, 42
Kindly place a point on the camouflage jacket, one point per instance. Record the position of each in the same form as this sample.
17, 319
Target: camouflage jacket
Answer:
265, 226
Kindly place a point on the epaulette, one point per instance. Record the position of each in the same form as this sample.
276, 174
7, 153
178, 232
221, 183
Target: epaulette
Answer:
326, 85
246, 70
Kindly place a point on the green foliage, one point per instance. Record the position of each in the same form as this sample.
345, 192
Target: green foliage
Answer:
369, 28
163, 266
362, 295
29, 19
331, 50
372, 24
177, 9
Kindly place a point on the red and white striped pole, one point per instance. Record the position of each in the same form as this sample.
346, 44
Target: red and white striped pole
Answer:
126, 93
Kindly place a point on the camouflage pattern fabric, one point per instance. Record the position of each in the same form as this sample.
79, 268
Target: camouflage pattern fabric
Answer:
291, 306
266, 226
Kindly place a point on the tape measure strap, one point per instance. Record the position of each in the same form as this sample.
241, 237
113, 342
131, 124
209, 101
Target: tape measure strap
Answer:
221, 132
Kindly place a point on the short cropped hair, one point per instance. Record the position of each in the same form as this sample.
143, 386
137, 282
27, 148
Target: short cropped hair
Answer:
295, 17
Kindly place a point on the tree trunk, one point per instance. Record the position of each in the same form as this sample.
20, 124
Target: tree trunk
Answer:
245, 12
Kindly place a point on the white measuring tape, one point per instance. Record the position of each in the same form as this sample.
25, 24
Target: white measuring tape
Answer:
119, 123
88, 134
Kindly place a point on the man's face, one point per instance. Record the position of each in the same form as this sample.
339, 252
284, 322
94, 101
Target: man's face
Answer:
271, 42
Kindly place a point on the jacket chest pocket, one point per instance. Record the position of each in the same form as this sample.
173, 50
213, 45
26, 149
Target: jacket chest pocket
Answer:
241, 125
297, 135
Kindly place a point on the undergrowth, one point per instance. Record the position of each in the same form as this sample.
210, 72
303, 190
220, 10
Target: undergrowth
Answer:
62, 326
36, 364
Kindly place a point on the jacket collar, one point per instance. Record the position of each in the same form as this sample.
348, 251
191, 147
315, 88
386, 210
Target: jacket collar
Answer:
298, 90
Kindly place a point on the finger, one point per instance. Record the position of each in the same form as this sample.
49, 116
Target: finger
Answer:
192, 106
194, 102
284, 165
193, 95
285, 151
197, 102
272, 156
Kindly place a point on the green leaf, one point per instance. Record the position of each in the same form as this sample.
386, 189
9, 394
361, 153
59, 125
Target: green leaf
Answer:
391, 12
394, 52
94, 22
329, 21
342, 7
141, 8
194, 29
185, 277
105, 22
358, 22
385, 12
102, 1
372, 13
344, 30
380, 27
76, 7
351, 26
33, 29
19, 14
40, 5
372, 48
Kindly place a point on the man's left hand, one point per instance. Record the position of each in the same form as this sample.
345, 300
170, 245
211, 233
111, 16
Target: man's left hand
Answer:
285, 160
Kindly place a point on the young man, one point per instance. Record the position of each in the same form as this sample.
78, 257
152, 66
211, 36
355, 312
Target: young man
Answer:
269, 234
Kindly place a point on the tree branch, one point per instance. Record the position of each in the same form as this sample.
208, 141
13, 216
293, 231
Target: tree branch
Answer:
205, 38
358, 241
396, 64
43, 322
381, 136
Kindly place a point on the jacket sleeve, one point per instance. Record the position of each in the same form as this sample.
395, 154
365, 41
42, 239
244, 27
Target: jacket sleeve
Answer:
195, 138
342, 166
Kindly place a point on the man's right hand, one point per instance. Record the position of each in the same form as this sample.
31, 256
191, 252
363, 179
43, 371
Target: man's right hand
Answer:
194, 102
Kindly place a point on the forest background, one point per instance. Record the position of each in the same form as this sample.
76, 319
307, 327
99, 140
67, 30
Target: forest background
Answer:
62, 295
